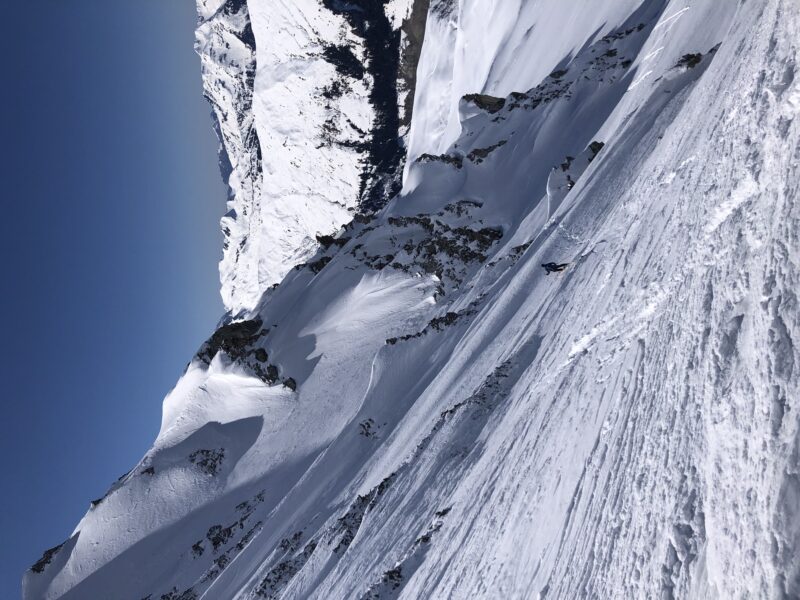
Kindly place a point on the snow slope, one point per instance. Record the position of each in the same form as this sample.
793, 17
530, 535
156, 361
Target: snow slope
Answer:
419, 411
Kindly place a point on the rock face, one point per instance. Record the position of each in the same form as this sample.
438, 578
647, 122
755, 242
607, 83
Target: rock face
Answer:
416, 410
320, 138
227, 48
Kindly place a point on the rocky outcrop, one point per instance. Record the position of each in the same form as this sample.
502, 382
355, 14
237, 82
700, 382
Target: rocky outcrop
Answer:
324, 137
391, 53
412, 38
490, 104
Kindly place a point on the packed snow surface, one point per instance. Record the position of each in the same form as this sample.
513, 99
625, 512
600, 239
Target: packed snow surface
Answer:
419, 410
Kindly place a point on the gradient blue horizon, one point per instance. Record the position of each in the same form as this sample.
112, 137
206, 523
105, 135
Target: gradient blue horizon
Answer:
111, 242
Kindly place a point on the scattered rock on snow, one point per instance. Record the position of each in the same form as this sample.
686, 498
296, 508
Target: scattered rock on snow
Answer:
490, 104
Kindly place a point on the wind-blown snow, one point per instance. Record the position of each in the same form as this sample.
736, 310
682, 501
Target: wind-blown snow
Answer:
420, 411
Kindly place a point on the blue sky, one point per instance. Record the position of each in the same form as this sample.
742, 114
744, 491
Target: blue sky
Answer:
110, 244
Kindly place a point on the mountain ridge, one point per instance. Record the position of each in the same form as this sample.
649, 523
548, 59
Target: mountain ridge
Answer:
419, 410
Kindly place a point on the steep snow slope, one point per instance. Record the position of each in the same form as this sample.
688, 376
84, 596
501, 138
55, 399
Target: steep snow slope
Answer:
421, 412
497, 48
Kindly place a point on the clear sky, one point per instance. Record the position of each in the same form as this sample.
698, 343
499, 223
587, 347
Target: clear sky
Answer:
110, 242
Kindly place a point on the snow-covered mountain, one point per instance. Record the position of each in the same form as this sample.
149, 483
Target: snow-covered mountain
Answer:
312, 99
418, 409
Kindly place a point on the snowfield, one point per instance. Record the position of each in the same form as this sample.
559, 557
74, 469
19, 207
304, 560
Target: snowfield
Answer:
417, 409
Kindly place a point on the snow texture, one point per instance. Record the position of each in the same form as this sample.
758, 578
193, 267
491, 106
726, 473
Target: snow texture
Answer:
418, 410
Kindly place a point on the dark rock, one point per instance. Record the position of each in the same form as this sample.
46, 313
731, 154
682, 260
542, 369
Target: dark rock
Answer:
363, 218
393, 577
444, 252
367, 428
438, 324
248, 536
320, 264
198, 549
290, 383
443, 8
382, 166
291, 544
349, 523
595, 147
450, 159
280, 575
690, 61
462, 207
522, 247
235, 339
326, 241
46, 559
479, 154
344, 61
209, 461
173, 594
219, 535
413, 29
490, 104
